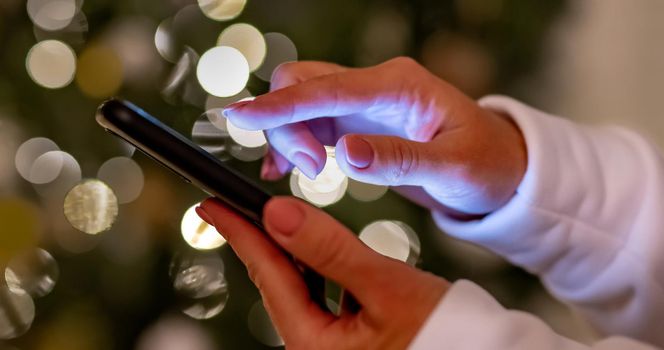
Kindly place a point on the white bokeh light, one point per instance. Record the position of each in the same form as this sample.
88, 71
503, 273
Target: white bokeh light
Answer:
326, 189
248, 40
246, 138
29, 151
222, 10
124, 176
51, 64
197, 233
394, 239
52, 15
280, 49
223, 71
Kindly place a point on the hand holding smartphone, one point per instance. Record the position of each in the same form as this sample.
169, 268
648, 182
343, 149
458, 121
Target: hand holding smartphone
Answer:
194, 165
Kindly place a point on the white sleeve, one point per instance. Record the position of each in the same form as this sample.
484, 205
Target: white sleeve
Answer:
468, 318
588, 218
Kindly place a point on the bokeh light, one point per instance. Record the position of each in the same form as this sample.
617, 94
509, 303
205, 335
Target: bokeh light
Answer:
51, 64
10, 134
17, 312
73, 34
100, 71
165, 41
365, 192
246, 138
247, 154
20, 227
393, 239
47, 167
35, 271
280, 49
210, 137
222, 10
197, 233
223, 71
327, 188
461, 61
52, 15
124, 176
68, 174
175, 333
261, 326
181, 84
91, 207
214, 103
246, 39
200, 283
29, 151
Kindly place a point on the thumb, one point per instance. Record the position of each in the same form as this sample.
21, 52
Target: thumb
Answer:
325, 245
388, 160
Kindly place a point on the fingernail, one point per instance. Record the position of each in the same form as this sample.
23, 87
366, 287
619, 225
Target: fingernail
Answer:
306, 164
233, 107
269, 171
204, 215
359, 152
284, 217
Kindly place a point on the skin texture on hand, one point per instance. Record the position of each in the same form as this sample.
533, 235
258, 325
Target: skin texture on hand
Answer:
395, 299
393, 124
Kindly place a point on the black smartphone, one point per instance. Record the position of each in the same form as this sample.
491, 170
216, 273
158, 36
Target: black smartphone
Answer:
194, 165
182, 156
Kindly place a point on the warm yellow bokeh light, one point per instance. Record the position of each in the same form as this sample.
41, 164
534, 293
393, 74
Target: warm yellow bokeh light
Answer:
51, 64
91, 207
20, 227
100, 72
248, 40
197, 233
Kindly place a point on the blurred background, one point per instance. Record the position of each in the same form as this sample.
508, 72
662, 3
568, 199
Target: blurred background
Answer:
99, 245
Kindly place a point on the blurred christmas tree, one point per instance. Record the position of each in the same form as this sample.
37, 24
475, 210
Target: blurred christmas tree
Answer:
481, 46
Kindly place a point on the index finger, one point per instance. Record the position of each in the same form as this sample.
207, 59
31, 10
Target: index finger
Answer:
331, 95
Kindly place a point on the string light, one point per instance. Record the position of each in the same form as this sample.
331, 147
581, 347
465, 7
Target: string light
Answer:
91, 207
393, 239
51, 64
246, 39
100, 72
223, 71
124, 176
197, 233
222, 10
33, 271
327, 188
280, 49
52, 15
261, 326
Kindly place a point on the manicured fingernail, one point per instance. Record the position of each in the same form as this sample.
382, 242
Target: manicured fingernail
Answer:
284, 217
359, 152
204, 215
228, 110
306, 164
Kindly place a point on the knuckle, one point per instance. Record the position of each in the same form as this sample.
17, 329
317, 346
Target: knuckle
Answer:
330, 251
253, 270
405, 160
284, 72
404, 61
